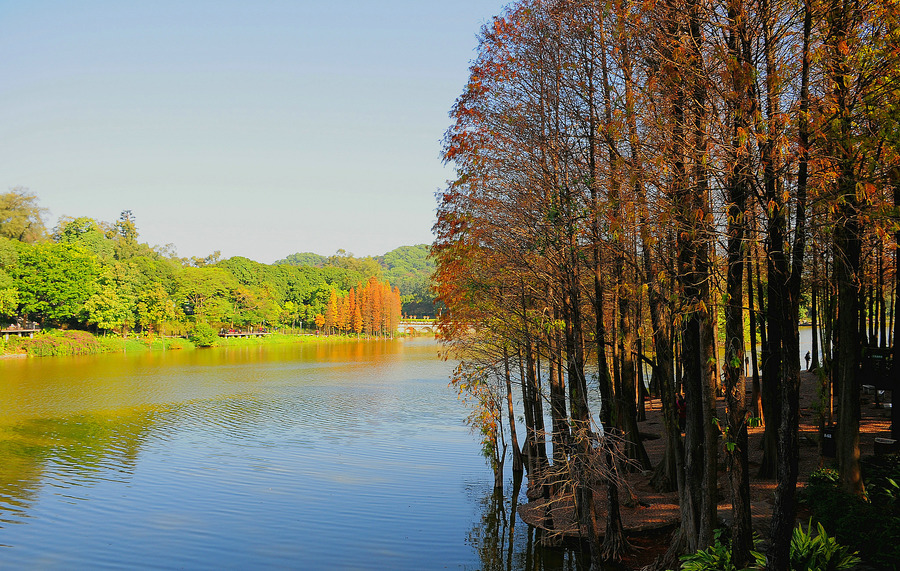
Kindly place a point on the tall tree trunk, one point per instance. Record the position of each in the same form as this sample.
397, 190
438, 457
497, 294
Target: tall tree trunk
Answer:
626, 413
708, 362
814, 287
784, 512
518, 465
755, 408
557, 402
847, 245
738, 189
777, 266
895, 307
697, 490
882, 312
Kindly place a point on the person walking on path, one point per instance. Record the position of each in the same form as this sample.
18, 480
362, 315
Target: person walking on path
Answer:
807, 360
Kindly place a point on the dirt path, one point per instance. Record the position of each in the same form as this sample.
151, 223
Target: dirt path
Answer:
656, 511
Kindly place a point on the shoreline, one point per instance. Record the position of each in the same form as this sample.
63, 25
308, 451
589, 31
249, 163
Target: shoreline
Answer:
68, 343
646, 520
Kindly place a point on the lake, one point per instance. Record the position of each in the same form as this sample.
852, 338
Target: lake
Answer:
313, 456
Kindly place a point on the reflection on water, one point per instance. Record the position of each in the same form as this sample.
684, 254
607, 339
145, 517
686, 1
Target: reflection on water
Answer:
350, 456
505, 543
64, 454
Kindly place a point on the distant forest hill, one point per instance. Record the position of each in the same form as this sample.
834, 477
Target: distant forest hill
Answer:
408, 267
91, 274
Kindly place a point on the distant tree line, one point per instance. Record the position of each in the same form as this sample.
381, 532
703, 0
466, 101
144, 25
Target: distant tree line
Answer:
410, 268
669, 182
96, 275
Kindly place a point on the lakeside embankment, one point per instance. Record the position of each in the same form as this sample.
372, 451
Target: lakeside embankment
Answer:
72, 342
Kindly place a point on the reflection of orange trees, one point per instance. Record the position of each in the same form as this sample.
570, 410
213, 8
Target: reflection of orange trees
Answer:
371, 307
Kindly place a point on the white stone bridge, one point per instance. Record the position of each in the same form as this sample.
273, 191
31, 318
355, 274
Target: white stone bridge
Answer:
417, 326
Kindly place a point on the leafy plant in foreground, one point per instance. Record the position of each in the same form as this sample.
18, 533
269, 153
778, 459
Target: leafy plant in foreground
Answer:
810, 551
815, 552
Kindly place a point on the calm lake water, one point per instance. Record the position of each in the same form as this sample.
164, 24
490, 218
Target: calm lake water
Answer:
328, 456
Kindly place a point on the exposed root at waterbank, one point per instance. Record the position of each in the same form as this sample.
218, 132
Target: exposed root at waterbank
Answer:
656, 514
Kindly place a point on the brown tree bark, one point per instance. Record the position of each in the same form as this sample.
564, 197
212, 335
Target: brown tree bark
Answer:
784, 512
738, 190
518, 465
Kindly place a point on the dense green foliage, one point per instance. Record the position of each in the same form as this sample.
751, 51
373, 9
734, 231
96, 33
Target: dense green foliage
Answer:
97, 275
409, 268
812, 549
304, 259
871, 524
59, 343
203, 335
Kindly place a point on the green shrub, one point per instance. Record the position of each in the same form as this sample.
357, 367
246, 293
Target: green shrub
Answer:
169, 343
717, 557
204, 335
869, 525
57, 343
815, 552
809, 552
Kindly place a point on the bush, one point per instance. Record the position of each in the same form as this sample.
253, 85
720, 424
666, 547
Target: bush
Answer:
817, 552
809, 552
204, 335
169, 343
717, 557
870, 525
57, 343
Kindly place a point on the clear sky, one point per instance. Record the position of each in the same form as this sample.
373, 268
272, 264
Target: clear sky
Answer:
256, 128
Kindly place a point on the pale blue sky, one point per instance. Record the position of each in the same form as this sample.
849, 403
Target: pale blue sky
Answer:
255, 128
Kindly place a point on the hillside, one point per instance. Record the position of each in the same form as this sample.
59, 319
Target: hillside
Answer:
408, 267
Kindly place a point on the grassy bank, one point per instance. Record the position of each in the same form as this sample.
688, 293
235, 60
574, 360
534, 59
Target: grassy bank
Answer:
279, 339
68, 342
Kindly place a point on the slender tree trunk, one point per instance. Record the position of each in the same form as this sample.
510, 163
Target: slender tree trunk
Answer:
777, 266
518, 465
847, 248
895, 307
814, 287
558, 416
784, 512
882, 312
740, 180
641, 391
755, 408
708, 362
626, 414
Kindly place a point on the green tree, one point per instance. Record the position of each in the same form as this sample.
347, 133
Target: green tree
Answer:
20, 216
124, 235
304, 259
85, 232
411, 268
109, 309
289, 313
204, 335
54, 281
206, 290
155, 307
9, 300
9, 294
